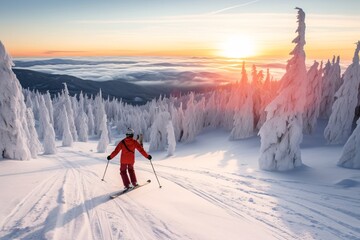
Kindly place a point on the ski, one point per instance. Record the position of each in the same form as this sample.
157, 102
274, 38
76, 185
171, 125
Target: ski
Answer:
115, 195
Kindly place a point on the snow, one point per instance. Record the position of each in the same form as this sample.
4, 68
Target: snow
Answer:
212, 188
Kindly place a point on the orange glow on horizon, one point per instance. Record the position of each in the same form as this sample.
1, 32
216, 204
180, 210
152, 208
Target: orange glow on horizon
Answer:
229, 51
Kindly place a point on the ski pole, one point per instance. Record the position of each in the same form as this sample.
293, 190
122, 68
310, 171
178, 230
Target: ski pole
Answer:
155, 173
105, 170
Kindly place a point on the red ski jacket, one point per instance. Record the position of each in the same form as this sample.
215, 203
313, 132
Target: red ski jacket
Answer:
127, 147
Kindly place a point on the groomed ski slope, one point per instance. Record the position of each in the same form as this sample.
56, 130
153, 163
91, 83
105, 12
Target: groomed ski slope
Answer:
212, 189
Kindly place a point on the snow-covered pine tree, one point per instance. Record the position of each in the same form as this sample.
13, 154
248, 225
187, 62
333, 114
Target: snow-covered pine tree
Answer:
313, 98
189, 122
179, 130
350, 157
40, 127
266, 97
231, 102
256, 84
244, 116
331, 84
49, 133
34, 143
81, 120
327, 94
211, 114
14, 142
104, 136
49, 105
90, 116
67, 139
158, 134
341, 120
99, 110
175, 119
170, 139
70, 112
244, 78
281, 134
336, 73
36, 105
243, 122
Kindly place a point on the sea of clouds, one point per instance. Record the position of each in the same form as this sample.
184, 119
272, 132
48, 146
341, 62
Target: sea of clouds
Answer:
187, 71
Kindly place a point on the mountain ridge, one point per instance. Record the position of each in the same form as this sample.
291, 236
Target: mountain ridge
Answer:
120, 88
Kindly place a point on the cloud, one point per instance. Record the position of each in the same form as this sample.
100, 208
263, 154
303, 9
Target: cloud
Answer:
147, 70
232, 7
51, 52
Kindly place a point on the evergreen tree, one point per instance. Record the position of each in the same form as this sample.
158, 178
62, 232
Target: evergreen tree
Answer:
158, 134
49, 133
170, 139
244, 116
49, 105
313, 98
104, 135
350, 157
34, 143
14, 142
67, 139
331, 83
90, 117
81, 121
342, 117
70, 112
266, 96
281, 134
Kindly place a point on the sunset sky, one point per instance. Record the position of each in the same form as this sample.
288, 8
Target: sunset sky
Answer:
230, 28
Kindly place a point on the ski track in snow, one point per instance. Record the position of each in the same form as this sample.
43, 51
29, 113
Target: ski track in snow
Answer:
286, 208
67, 205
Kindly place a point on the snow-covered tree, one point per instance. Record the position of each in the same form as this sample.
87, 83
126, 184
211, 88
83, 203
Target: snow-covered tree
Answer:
34, 143
67, 139
90, 117
49, 105
244, 116
81, 121
14, 142
341, 120
103, 130
189, 122
158, 134
49, 133
256, 83
313, 98
104, 137
70, 112
170, 139
350, 157
244, 78
281, 134
99, 110
331, 83
266, 97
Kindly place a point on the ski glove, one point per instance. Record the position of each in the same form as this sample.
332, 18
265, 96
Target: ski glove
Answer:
108, 157
149, 157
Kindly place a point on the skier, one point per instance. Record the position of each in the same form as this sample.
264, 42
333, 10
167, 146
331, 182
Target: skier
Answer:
127, 158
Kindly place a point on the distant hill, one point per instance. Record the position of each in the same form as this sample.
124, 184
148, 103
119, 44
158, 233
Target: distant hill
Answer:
129, 92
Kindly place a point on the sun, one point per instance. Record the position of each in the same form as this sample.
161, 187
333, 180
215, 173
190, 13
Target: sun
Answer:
237, 47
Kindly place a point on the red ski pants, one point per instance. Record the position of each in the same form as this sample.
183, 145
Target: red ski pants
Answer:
124, 168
